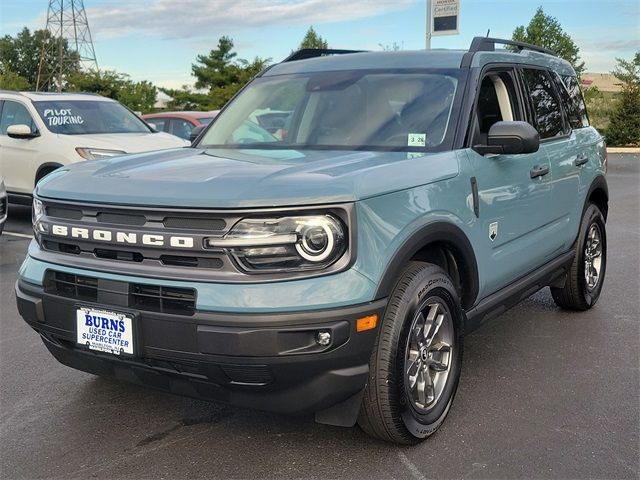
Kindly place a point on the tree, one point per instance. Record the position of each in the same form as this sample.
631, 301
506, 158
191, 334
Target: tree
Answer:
222, 73
394, 47
313, 40
186, 99
624, 124
216, 69
13, 81
138, 96
20, 55
106, 83
545, 31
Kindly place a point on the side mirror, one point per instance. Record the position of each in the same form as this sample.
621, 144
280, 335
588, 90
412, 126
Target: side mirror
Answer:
195, 132
510, 138
21, 130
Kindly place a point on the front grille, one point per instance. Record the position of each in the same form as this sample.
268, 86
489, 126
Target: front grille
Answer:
152, 298
121, 219
70, 285
127, 228
3, 206
194, 262
118, 255
61, 247
163, 299
66, 213
106, 215
214, 224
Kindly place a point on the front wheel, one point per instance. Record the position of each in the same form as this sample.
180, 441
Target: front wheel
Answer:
585, 277
415, 365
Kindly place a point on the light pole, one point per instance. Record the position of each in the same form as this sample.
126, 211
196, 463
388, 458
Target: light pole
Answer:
428, 30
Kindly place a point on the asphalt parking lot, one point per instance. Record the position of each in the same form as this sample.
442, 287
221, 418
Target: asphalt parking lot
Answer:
543, 394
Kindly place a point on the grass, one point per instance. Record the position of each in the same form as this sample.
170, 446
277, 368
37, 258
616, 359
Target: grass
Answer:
599, 104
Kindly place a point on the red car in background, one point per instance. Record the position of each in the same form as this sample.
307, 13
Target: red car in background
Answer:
179, 124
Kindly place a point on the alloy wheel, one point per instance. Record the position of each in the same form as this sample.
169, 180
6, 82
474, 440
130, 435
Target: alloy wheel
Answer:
593, 257
429, 354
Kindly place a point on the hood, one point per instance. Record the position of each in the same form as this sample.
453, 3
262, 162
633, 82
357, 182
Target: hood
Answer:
127, 142
191, 177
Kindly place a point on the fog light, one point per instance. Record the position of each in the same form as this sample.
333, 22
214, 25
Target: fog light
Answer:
323, 338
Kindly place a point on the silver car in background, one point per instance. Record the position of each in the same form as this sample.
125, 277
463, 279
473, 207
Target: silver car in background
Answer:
4, 205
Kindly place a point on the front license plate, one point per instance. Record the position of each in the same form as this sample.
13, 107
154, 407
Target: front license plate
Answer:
105, 331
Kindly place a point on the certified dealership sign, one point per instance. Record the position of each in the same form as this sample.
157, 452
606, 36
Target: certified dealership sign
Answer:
445, 17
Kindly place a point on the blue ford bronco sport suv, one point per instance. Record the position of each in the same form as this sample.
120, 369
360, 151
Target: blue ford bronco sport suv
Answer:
329, 239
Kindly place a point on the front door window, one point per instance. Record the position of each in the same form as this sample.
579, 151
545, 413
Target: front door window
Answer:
14, 113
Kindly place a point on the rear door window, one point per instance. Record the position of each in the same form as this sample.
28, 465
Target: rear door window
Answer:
180, 128
158, 124
546, 107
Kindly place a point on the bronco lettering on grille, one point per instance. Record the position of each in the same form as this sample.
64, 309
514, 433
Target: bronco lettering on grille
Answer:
129, 238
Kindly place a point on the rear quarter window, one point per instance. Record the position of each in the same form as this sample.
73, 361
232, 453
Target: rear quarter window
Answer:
572, 100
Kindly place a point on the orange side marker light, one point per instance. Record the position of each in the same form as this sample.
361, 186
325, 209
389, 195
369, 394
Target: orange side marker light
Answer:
366, 323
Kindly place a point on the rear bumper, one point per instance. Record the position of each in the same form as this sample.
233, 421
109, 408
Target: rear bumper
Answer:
265, 361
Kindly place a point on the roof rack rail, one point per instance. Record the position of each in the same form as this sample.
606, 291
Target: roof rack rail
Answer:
305, 53
487, 44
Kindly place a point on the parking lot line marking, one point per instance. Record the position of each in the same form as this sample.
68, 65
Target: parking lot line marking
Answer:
415, 471
15, 234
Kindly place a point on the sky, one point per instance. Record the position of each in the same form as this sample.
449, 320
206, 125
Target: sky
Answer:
158, 40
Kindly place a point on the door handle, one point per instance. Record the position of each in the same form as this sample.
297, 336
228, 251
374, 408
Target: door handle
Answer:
580, 160
539, 171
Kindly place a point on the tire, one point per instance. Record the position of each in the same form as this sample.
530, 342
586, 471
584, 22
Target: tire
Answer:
398, 406
581, 291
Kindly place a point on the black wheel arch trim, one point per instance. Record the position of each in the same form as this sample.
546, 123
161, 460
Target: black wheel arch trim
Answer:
46, 166
598, 183
439, 231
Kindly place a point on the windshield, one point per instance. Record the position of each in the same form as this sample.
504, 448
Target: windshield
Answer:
81, 117
339, 110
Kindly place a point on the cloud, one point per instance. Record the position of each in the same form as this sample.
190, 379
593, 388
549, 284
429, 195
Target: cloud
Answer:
170, 19
599, 54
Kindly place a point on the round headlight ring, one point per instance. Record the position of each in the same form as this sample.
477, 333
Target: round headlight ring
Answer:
309, 253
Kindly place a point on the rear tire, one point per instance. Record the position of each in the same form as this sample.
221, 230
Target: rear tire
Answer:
586, 275
415, 365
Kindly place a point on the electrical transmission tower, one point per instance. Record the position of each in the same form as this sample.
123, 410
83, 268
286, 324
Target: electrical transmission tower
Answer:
68, 47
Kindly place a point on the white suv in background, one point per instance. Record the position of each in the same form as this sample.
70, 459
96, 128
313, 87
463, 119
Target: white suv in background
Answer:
40, 132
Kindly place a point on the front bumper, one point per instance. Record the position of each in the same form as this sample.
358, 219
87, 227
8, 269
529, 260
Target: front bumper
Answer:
4, 207
264, 361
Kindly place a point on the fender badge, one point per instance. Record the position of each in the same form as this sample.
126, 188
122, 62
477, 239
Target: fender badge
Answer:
493, 230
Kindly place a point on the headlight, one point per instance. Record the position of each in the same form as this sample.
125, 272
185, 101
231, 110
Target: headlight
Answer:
284, 244
97, 153
37, 211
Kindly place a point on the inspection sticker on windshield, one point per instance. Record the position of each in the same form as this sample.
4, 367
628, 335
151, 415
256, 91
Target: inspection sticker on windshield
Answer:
105, 331
417, 140
62, 116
